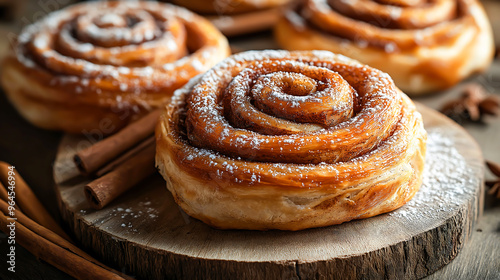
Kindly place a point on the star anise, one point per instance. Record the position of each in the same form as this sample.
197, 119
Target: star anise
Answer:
495, 184
473, 104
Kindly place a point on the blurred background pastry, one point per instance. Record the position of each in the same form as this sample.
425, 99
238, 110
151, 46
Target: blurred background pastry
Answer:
425, 46
237, 17
106, 62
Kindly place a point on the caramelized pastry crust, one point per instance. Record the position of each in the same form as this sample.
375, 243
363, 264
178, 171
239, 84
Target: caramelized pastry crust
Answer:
290, 140
107, 61
425, 45
228, 7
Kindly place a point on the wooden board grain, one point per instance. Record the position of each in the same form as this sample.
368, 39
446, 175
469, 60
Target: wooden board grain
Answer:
147, 235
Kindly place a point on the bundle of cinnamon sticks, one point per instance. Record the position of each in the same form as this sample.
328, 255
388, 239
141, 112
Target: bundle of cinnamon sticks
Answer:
120, 161
40, 234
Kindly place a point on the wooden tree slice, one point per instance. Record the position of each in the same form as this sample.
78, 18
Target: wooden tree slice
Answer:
146, 234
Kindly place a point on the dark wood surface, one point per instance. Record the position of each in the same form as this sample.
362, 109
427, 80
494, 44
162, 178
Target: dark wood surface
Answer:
33, 151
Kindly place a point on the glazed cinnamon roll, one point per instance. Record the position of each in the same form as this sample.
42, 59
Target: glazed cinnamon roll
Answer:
228, 7
290, 140
424, 45
107, 62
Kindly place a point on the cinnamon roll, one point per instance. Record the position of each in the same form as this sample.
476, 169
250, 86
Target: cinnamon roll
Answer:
107, 62
424, 45
236, 17
290, 140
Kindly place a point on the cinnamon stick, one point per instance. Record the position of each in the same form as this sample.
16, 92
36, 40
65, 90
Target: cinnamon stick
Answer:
248, 22
115, 163
3, 193
28, 202
103, 190
62, 255
91, 159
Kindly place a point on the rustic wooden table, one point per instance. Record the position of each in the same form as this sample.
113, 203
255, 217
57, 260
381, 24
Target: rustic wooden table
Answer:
33, 150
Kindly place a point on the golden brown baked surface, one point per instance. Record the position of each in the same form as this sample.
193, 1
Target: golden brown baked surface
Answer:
107, 62
290, 140
424, 45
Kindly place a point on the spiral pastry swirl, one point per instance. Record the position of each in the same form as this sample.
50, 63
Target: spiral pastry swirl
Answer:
290, 140
107, 61
228, 7
424, 45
